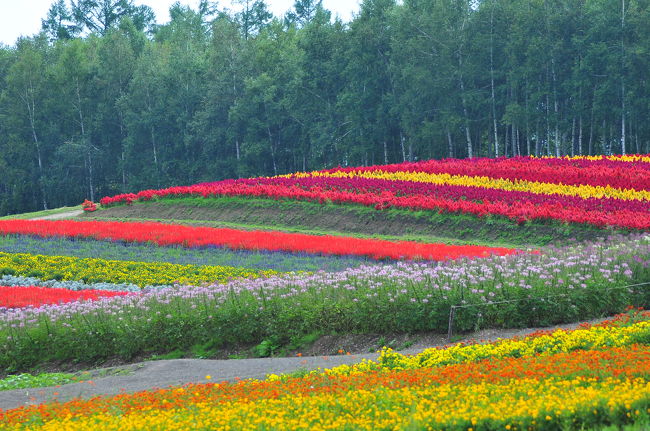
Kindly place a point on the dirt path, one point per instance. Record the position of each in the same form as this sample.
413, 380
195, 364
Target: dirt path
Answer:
68, 214
178, 372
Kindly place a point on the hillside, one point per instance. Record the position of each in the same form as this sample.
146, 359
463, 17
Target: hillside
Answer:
514, 202
348, 259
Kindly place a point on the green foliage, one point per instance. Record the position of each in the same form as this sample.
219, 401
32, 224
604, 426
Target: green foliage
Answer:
23, 381
290, 319
174, 354
214, 94
267, 347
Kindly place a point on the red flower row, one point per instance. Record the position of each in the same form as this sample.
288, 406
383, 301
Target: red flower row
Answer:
617, 174
191, 236
18, 297
520, 211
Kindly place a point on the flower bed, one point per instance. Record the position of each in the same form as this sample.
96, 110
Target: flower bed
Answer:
189, 236
600, 192
572, 380
36, 296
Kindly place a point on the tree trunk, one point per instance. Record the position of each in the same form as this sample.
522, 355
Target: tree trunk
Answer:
385, 152
122, 156
468, 136
548, 129
450, 144
272, 147
31, 110
538, 146
580, 136
517, 140
85, 143
90, 176
494, 110
154, 147
554, 78
591, 123
623, 77
527, 123
573, 137
623, 117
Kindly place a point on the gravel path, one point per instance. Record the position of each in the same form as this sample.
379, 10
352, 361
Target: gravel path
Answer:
178, 372
67, 214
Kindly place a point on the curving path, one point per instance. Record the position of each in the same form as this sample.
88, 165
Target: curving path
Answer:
67, 214
178, 372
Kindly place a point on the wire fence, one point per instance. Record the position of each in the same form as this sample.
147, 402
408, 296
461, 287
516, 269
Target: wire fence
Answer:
452, 311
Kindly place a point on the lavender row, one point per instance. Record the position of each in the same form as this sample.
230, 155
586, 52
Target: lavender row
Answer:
559, 285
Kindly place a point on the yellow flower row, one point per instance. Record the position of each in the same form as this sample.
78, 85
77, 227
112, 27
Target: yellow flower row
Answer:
516, 405
584, 191
615, 158
558, 341
116, 271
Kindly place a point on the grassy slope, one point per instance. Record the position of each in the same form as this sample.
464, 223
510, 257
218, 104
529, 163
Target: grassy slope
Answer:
429, 226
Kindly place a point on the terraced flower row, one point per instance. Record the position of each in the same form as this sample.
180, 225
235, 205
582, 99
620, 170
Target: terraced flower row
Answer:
36, 296
539, 289
611, 173
149, 252
603, 192
113, 271
190, 236
617, 333
569, 381
584, 191
614, 157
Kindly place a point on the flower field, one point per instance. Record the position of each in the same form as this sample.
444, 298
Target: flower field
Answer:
554, 286
188, 236
96, 291
205, 256
561, 380
601, 192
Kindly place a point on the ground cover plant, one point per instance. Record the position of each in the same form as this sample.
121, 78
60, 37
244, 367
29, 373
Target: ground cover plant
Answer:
25, 380
197, 236
604, 192
583, 379
557, 285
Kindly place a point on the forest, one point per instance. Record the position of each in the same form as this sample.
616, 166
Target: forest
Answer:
105, 100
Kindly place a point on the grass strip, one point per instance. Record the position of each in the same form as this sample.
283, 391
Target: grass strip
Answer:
349, 219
